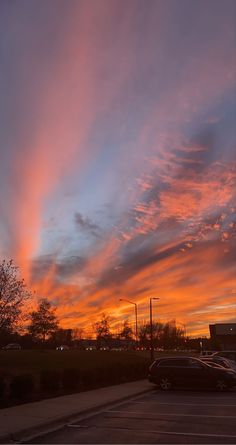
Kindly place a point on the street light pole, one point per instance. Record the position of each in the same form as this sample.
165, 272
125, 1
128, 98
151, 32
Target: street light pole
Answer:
151, 329
136, 317
136, 323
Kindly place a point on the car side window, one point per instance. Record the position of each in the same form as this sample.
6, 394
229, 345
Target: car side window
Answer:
171, 363
195, 364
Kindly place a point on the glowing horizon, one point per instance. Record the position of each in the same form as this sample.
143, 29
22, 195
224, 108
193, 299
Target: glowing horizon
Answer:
118, 156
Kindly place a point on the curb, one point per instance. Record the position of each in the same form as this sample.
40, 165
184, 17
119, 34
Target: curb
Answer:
27, 434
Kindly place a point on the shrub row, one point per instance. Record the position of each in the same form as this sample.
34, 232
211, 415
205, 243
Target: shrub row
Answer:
2, 386
73, 379
22, 386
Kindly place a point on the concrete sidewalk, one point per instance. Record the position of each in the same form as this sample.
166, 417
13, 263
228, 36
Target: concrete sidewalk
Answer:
23, 421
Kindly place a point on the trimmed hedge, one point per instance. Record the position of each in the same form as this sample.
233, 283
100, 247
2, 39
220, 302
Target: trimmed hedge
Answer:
90, 378
113, 374
71, 379
22, 386
50, 380
2, 386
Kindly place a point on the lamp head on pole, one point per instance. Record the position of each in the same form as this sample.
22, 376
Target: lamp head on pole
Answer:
127, 301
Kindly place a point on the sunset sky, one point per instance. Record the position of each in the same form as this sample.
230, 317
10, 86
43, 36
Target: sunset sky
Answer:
118, 156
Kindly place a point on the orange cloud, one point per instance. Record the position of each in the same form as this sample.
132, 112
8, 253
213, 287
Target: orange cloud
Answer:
172, 230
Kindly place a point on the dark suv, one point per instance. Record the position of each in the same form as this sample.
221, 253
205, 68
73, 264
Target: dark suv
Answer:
190, 372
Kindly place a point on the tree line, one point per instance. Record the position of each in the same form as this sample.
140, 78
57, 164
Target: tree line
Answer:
41, 326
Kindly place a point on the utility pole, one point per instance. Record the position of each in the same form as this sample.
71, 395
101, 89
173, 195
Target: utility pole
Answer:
151, 329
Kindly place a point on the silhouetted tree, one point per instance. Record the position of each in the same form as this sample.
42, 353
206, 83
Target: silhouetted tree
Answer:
102, 329
172, 336
165, 335
43, 321
145, 334
13, 294
127, 332
61, 337
77, 336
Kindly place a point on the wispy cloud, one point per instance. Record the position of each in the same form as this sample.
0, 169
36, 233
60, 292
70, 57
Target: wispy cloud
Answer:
86, 225
118, 128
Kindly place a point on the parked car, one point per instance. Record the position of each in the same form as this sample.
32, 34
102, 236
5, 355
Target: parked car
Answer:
12, 347
62, 348
229, 364
213, 364
230, 355
169, 372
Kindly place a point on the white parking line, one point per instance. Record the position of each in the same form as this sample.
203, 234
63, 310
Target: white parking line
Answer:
171, 415
175, 433
214, 394
183, 404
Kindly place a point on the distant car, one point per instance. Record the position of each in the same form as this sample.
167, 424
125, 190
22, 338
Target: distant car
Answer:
121, 349
12, 347
206, 353
104, 348
90, 348
170, 372
62, 348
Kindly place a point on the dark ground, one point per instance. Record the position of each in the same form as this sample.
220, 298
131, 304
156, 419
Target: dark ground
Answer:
183, 417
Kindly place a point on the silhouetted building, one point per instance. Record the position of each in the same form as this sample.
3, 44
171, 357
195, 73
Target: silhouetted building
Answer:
223, 336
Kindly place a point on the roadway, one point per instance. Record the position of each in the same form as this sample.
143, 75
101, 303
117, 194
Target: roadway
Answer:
176, 417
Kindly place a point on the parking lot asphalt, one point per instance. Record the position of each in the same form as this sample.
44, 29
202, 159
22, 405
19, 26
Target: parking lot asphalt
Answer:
186, 417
